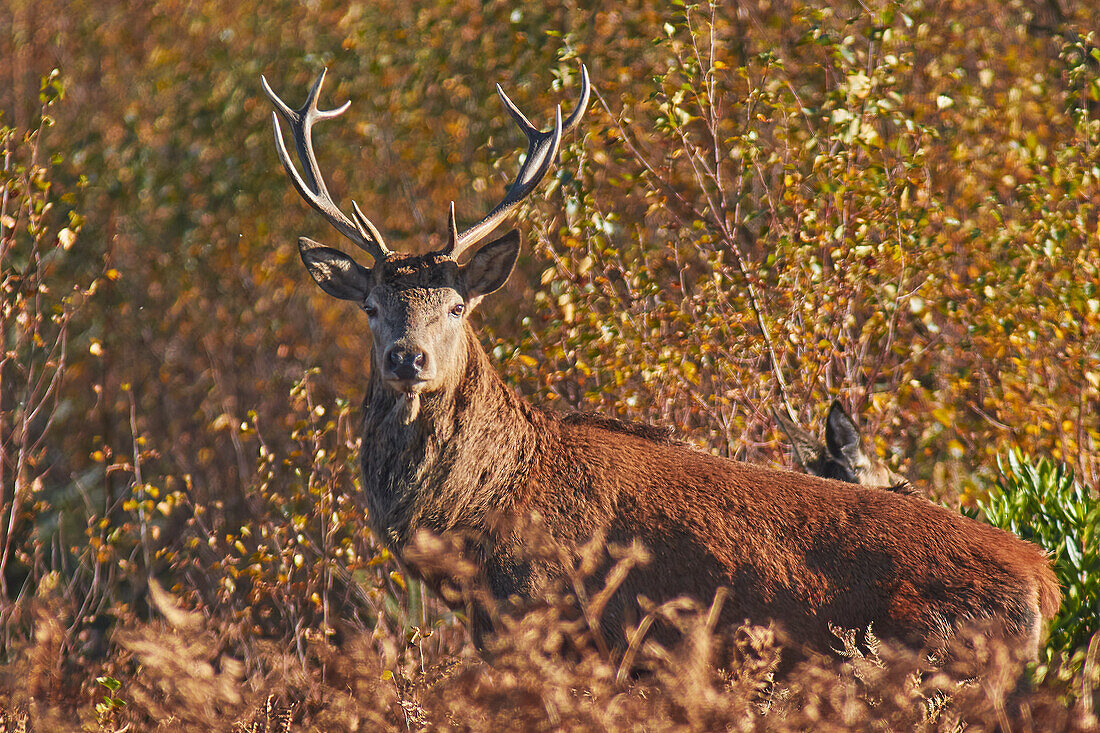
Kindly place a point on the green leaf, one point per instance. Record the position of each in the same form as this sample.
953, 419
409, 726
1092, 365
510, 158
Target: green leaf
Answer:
1073, 553
109, 682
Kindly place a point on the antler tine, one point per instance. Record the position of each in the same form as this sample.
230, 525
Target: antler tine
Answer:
575, 117
312, 188
367, 226
542, 150
452, 231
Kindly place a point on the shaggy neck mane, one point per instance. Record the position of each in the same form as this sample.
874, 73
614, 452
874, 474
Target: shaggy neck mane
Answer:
445, 460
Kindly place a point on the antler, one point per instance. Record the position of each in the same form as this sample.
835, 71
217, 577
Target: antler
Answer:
542, 149
313, 188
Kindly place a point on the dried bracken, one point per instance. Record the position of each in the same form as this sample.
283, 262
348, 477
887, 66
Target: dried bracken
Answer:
545, 673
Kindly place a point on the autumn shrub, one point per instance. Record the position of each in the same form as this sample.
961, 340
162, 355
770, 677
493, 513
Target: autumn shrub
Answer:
48, 275
300, 562
779, 221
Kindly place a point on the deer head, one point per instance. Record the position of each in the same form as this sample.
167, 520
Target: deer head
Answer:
417, 305
840, 455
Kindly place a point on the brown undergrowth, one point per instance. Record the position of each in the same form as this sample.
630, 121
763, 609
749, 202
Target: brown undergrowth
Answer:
188, 672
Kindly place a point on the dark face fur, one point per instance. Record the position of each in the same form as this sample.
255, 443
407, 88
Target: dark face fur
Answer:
417, 306
417, 313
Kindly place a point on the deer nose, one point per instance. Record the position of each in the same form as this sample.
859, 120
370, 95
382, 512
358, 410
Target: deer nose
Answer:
406, 363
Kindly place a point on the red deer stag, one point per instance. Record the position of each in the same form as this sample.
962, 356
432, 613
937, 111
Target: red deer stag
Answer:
840, 455
449, 448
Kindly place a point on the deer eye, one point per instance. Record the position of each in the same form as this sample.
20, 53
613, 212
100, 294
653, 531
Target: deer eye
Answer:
458, 310
370, 310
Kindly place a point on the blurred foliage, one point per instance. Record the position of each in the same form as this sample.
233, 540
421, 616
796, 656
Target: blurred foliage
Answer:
42, 289
881, 205
1040, 501
771, 203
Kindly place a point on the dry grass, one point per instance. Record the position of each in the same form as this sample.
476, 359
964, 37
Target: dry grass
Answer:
187, 672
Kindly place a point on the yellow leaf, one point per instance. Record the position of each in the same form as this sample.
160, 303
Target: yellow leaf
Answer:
66, 237
859, 85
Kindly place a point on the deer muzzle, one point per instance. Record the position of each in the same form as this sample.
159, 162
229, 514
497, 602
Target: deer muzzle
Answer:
405, 367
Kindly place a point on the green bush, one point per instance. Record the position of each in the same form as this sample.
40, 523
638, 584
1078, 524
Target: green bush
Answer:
1040, 501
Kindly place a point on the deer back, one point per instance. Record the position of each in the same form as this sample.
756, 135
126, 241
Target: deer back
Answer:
794, 549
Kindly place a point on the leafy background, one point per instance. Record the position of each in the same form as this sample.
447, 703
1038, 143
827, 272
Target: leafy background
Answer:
769, 205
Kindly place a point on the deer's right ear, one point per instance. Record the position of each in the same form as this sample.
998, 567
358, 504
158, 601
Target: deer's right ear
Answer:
842, 436
338, 275
489, 268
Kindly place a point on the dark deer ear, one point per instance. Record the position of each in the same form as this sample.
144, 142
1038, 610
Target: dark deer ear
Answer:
489, 268
842, 437
338, 275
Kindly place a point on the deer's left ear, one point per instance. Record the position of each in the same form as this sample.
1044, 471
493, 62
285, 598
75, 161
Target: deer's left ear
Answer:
805, 448
489, 268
